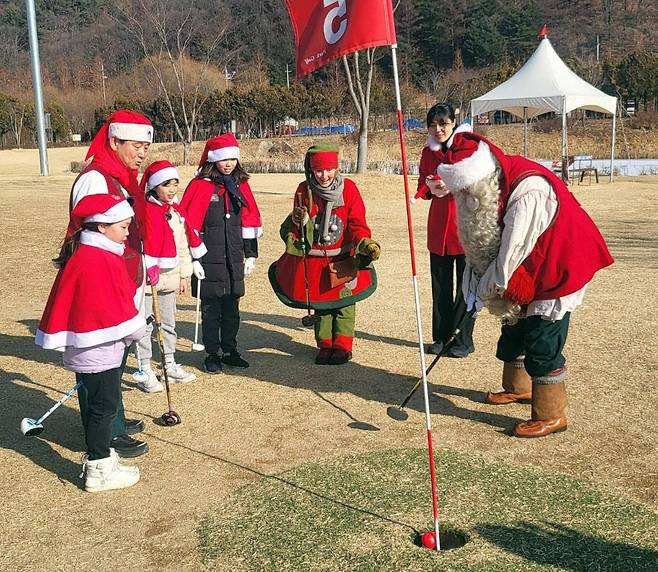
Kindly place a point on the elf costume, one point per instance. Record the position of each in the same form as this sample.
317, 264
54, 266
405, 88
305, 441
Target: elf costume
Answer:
531, 251
327, 262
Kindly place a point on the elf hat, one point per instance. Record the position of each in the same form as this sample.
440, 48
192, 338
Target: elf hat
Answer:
123, 124
218, 148
104, 207
322, 156
157, 173
468, 160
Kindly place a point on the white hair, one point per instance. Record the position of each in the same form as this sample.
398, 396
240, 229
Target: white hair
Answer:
480, 233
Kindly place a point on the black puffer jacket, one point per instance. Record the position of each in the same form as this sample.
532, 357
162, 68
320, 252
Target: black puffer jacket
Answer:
224, 261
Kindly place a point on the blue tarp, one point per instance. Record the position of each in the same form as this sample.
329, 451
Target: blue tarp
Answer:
342, 129
411, 123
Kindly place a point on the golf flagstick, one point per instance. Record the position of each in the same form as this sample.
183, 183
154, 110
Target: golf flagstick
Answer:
309, 319
414, 279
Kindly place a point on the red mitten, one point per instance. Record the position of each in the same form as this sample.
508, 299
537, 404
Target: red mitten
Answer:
153, 275
521, 287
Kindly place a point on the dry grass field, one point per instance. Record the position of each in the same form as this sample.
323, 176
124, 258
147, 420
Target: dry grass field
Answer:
284, 411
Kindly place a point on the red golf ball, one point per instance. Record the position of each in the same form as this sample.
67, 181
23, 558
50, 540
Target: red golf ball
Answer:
429, 540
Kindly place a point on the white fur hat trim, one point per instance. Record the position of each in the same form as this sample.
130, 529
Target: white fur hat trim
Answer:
131, 132
468, 171
121, 211
162, 176
223, 153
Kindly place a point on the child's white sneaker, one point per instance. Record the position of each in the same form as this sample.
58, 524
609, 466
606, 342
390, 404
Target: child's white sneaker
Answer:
150, 383
108, 474
177, 374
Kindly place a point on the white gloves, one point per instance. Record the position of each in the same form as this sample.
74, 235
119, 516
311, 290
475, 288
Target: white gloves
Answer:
249, 265
198, 270
437, 187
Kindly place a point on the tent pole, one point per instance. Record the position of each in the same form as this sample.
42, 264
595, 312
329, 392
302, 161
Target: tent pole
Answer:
565, 159
612, 147
525, 132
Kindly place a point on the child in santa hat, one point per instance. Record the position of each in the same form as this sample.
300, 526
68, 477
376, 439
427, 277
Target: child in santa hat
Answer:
168, 251
91, 317
329, 250
220, 205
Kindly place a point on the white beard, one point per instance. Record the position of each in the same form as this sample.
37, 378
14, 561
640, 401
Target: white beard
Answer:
480, 235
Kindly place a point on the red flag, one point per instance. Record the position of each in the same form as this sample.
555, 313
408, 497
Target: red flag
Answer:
543, 31
327, 29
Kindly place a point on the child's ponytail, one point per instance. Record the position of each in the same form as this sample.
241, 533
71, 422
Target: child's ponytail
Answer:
70, 245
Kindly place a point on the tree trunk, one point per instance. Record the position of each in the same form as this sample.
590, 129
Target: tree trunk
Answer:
187, 145
362, 152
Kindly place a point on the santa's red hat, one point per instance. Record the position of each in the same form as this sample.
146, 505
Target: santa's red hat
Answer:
123, 124
157, 173
468, 160
218, 148
103, 207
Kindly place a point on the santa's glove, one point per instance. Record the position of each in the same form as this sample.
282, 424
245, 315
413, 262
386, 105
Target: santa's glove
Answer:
520, 288
436, 186
153, 275
370, 248
299, 215
249, 265
197, 270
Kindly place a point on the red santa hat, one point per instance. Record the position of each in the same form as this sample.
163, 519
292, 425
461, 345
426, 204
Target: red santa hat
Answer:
218, 148
103, 207
467, 161
123, 124
157, 173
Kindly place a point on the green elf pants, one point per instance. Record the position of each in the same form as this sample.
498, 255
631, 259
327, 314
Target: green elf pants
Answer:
334, 329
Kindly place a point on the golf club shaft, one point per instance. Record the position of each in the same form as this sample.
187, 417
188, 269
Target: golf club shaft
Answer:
62, 400
447, 345
158, 323
196, 317
302, 232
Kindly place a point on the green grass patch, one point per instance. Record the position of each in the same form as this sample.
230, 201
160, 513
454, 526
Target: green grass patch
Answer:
361, 513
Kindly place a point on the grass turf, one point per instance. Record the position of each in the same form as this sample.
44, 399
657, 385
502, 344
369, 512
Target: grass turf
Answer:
362, 513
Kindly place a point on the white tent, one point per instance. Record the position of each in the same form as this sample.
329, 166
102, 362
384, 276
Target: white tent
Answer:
542, 85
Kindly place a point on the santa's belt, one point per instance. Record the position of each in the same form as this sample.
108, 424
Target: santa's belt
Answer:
328, 252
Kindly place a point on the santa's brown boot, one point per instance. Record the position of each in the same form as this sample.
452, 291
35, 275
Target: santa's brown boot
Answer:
517, 385
549, 411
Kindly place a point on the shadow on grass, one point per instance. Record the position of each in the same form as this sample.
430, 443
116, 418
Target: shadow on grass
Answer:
288, 483
558, 545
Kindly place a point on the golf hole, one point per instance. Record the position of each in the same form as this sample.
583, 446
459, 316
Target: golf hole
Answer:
451, 539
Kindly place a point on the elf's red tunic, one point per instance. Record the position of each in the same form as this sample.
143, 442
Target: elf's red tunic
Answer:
287, 274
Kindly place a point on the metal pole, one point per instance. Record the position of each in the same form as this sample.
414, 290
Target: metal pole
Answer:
612, 147
36, 81
525, 131
565, 158
414, 279
103, 84
287, 76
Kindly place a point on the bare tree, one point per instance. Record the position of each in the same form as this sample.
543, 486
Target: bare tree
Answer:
169, 35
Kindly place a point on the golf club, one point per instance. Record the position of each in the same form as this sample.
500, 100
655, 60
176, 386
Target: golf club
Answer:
196, 346
170, 417
398, 412
30, 427
309, 320
139, 376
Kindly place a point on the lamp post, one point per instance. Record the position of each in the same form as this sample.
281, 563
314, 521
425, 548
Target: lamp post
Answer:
36, 81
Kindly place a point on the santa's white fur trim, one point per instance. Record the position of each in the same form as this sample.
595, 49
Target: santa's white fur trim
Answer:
198, 251
468, 171
131, 132
162, 176
121, 211
252, 231
223, 153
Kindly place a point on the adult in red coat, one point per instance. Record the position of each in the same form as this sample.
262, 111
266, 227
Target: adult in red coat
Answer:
326, 265
531, 251
447, 259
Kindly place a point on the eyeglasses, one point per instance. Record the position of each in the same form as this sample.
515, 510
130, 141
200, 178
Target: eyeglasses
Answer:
442, 124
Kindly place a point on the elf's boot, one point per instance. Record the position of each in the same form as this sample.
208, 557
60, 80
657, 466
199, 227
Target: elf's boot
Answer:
549, 411
108, 474
517, 385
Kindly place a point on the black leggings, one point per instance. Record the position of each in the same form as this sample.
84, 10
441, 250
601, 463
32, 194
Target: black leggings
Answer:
102, 402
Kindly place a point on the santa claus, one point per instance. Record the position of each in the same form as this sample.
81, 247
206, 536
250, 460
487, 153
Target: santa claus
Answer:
531, 251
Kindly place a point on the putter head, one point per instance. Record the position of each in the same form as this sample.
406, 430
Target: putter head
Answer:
198, 347
140, 376
396, 413
308, 321
30, 428
170, 418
